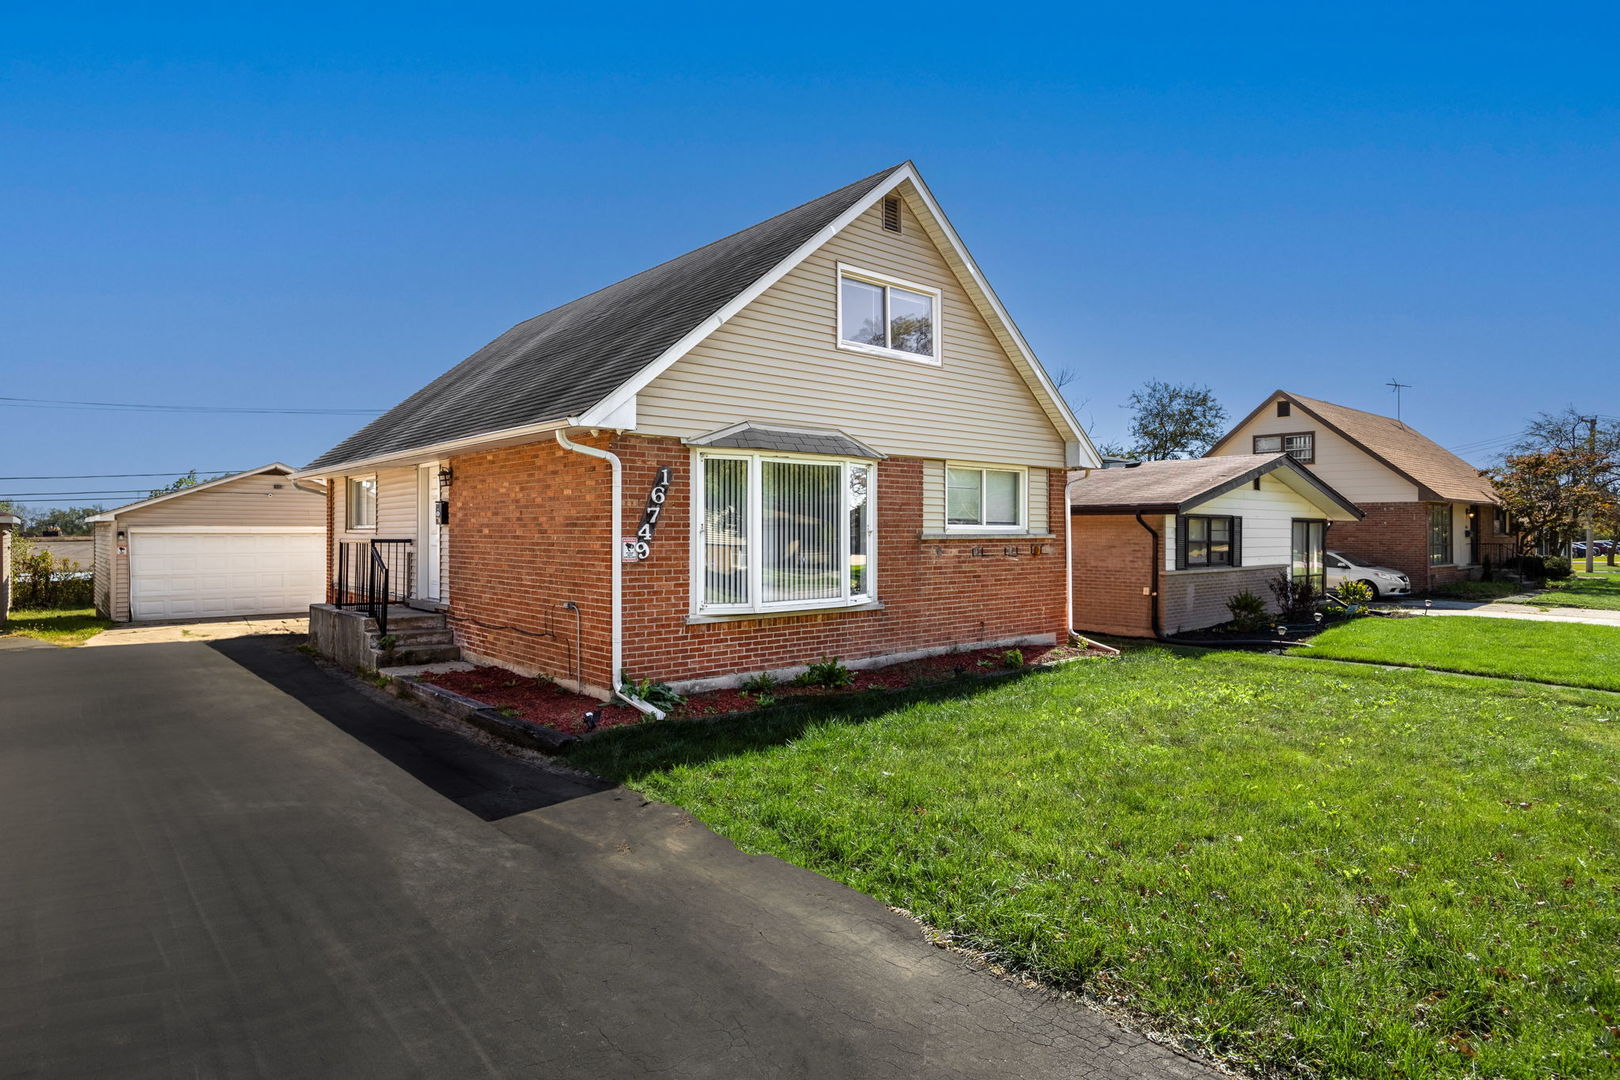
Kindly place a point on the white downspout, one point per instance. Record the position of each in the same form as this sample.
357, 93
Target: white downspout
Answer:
617, 635
1068, 558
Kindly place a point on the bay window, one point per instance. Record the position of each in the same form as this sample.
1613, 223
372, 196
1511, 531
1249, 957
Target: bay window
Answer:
784, 533
978, 498
882, 315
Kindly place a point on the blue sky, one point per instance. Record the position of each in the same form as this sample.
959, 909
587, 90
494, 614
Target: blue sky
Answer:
325, 206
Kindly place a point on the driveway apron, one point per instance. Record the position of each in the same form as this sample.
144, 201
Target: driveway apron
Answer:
221, 861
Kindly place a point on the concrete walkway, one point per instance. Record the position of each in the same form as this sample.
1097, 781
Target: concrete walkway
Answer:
224, 862
153, 633
1499, 610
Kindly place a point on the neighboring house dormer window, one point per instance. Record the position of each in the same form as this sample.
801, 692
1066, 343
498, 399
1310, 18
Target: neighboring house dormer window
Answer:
362, 499
887, 316
784, 533
1301, 446
977, 498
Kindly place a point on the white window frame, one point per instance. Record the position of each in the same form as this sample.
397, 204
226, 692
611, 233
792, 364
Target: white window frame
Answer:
348, 502
886, 282
982, 468
756, 568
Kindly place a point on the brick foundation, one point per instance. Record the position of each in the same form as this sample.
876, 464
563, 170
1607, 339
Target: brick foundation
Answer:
1196, 599
530, 530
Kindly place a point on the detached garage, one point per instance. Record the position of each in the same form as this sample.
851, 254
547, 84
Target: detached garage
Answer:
249, 544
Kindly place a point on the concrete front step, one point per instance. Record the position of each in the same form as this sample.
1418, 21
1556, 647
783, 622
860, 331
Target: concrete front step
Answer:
406, 638
421, 654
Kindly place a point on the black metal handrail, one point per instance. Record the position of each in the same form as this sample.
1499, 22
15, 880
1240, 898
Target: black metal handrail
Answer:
372, 574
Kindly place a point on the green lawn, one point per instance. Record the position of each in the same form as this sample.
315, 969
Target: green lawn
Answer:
1351, 870
1569, 653
67, 626
1600, 590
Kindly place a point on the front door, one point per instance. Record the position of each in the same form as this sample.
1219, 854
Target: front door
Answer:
1309, 564
429, 533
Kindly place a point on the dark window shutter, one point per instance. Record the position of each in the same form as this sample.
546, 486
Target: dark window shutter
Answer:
1237, 541
891, 213
1181, 541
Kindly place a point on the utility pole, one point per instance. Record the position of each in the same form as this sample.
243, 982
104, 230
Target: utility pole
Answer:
1591, 442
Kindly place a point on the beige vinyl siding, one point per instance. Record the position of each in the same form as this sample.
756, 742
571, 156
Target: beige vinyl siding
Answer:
1037, 501
264, 499
396, 508
1345, 467
777, 360
105, 541
1268, 521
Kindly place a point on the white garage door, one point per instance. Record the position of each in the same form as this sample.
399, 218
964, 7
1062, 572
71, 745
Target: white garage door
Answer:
180, 575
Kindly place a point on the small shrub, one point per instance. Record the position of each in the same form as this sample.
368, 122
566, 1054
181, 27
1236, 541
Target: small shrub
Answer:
1012, 658
1296, 600
764, 701
1557, 567
1249, 614
1355, 592
387, 642
826, 672
658, 695
1532, 567
763, 683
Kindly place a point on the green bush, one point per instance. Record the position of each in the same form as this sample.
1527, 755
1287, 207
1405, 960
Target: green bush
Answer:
763, 683
42, 582
1249, 614
1296, 600
1012, 658
1558, 568
658, 695
1355, 592
1532, 567
826, 672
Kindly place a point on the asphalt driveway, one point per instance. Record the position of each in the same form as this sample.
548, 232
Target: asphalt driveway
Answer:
220, 861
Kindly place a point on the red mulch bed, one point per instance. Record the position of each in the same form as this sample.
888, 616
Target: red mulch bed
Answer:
540, 701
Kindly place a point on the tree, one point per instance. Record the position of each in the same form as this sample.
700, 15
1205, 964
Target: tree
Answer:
1574, 469
67, 520
1550, 492
1174, 420
180, 483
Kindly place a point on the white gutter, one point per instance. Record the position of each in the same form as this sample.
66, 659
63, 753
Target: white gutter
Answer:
615, 680
1068, 558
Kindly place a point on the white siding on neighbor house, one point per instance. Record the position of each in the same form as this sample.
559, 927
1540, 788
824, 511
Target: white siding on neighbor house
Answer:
777, 361
1268, 522
1345, 467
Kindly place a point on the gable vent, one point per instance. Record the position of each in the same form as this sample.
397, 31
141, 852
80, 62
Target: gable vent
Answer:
891, 213
1284, 408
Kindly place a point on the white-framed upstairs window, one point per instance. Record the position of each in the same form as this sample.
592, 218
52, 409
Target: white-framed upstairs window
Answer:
985, 499
887, 317
778, 532
361, 496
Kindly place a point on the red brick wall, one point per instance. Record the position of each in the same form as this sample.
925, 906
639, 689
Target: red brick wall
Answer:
529, 529
1113, 564
1393, 534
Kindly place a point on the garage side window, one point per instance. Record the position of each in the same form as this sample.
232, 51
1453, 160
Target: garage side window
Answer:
362, 493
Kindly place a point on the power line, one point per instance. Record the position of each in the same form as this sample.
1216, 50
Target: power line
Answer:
125, 406
120, 475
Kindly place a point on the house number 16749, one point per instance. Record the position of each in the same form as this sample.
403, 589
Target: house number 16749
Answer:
638, 547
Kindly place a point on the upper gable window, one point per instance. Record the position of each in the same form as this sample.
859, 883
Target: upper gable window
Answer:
887, 316
1301, 445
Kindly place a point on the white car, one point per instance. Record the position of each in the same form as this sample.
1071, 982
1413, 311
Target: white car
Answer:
1381, 580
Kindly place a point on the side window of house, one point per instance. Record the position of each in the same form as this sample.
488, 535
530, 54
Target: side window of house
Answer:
887, 316
1301, 446
362, 500
977, 498
784, 533
1208, 540
1439, 534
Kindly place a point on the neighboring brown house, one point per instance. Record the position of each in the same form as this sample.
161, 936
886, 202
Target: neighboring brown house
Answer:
1159, 547
77, 552
821, 435
1429, 514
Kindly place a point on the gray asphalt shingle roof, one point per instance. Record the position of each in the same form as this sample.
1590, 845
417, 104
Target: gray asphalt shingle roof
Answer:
568, 359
